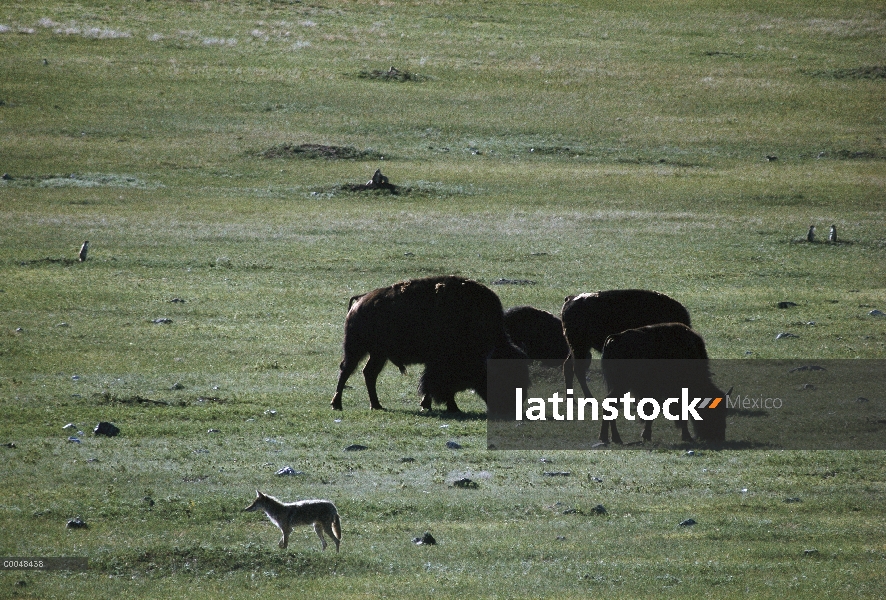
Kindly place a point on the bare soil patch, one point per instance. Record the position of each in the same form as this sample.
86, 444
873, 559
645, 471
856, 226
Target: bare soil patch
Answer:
318, 151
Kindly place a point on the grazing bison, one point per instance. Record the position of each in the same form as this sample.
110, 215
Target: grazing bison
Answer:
588, 319
450, 324
538, 333
661, 379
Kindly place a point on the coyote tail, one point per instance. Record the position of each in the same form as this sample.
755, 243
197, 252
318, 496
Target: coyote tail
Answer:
336, 527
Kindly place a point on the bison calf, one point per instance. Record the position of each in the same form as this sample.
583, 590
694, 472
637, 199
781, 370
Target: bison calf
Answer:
450, 324
657, 361
588, 319
538, 333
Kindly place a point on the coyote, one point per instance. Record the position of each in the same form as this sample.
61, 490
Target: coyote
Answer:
322, 514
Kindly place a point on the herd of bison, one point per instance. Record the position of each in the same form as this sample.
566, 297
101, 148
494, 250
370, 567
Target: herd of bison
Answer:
452, 325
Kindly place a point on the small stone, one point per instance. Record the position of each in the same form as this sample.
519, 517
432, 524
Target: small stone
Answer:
810, 551
877, 313
687, 523
74, 440
76, 523
407, 459
289, 471
453, 445
70, 426
561, 538
786, 335
792, 500
595, 479
149, 500
9, 445
599, 510
105, 428
426, 540
162, 321
213, 431
556, 474
356, 448
177, 386
786, 304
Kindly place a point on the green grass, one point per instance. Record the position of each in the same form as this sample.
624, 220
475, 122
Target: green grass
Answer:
581, 147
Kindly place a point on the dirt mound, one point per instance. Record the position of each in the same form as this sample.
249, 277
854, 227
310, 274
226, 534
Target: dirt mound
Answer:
392, 74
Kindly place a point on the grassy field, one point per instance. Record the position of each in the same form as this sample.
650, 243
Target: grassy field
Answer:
567, 147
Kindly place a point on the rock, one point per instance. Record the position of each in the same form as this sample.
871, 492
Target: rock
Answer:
177, 386
687, 523
76, 523
356, 448
105, 428
599, 510
149, 500
162, 321
792, 500
465, 483
426, 540
808, 368
786, 304
877, 313
9, 445
74, 440
453, 445
786, 335
556, 474
810, 552
407, 459
595, 479
289, 471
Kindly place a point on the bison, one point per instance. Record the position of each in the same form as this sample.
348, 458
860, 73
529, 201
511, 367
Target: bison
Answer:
669, 345
450, 324
538, 333
588, 319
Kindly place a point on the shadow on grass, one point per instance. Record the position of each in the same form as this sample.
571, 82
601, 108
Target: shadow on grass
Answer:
204, 560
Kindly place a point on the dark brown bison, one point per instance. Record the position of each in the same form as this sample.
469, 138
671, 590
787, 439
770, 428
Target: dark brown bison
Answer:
588, 319
657, 361
450, 324
538, 333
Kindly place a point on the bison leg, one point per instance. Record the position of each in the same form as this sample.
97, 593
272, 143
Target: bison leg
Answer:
578, 368
604, 432
370, 373
345, 369
647, 431
451, 406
